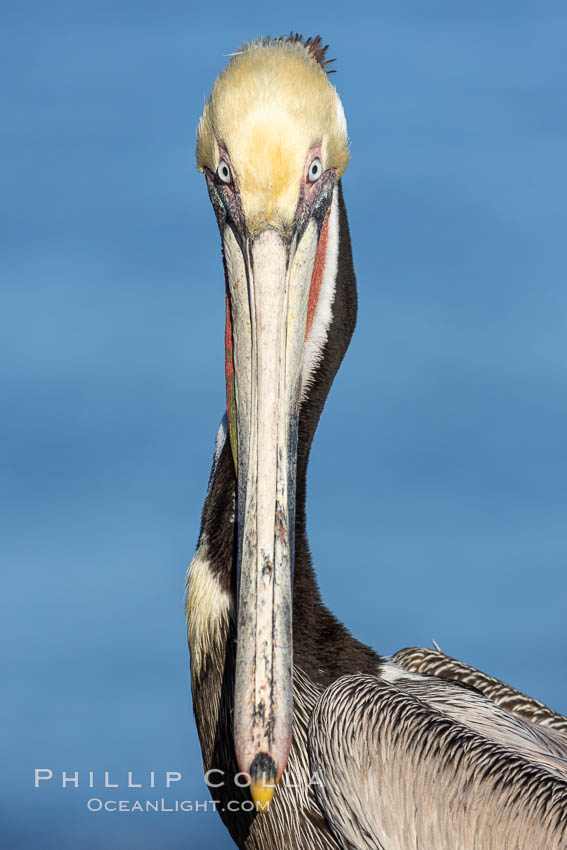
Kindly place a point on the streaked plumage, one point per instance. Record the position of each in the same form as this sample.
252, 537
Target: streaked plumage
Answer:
419, 751
437, 766
436, 663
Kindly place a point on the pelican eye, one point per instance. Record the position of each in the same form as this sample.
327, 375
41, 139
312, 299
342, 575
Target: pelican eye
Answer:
223, 172
315, 170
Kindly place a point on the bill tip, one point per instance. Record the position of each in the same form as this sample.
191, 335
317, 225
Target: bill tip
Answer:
262, 795
263, 774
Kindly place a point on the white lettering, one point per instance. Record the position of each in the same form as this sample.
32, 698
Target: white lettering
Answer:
172, 776
130, 783
48, 774
208, 779
107, 782
74, 779
267, 784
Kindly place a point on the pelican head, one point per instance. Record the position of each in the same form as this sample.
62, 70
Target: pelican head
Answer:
272, 144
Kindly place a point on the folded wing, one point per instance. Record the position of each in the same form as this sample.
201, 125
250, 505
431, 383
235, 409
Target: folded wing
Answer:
408, 760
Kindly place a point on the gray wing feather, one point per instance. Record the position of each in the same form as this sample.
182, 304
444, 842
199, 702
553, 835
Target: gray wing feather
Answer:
421, 765
436, 663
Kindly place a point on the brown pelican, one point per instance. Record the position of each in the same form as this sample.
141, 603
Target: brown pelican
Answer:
416, 751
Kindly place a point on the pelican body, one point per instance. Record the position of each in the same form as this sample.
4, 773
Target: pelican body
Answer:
310, 739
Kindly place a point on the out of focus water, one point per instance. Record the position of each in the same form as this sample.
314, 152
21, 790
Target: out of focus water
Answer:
438, 492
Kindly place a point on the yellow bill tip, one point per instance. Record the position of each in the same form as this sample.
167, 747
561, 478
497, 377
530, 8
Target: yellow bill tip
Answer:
262, 795
263, 774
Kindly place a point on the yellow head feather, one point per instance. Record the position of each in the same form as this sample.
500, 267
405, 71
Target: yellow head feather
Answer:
268, 108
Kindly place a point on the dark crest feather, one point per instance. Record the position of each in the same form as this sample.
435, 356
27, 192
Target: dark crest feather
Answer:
314, 46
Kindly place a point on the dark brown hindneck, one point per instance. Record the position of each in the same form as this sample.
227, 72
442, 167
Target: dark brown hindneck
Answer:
323, 647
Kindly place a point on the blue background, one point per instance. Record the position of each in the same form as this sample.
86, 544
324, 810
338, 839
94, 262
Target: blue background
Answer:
438, 497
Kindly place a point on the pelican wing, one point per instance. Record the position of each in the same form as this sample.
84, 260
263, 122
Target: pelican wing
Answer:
410, 762
436, 663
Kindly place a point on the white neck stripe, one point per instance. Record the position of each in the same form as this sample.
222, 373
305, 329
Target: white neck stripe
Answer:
317, 337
